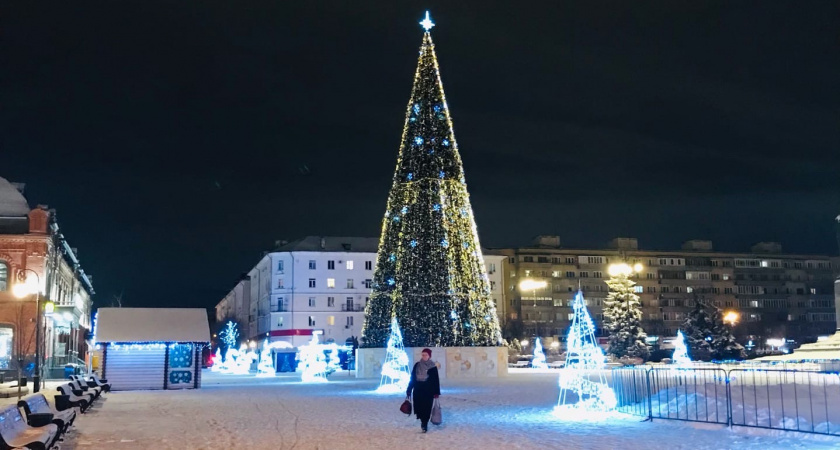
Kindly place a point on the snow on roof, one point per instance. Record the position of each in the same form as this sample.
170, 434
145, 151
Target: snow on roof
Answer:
331, 244
152, 325
12, 202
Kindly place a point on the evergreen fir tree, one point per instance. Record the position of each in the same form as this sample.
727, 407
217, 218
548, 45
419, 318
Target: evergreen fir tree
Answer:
724, 346
623, 319
430, 271
698, 332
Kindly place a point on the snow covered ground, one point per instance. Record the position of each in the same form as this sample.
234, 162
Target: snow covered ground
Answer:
237, 411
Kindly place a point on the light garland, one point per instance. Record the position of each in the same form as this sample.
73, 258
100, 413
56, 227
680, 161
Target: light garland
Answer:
395, 373
584, 361
430, 271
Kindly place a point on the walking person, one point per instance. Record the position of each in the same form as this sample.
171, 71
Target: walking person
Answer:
425, 384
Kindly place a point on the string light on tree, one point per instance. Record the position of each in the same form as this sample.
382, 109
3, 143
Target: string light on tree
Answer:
430, 271
395, 372
583, 386
623, 314
314, 363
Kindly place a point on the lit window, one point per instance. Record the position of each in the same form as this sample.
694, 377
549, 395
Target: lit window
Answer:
330, 283
349, 265
689, 289
813, 291
331, 320
638, 289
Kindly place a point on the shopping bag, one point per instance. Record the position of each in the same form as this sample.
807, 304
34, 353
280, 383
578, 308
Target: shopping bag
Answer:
405, 408
436, 416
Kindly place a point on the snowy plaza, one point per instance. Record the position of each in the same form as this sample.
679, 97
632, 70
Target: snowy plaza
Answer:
243, 411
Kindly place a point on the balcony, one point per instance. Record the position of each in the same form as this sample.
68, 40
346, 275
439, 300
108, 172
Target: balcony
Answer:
352, 308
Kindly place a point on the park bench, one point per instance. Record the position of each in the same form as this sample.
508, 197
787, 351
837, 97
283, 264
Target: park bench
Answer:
78, 385
103, 383
37, 408
16, 434
523, 363
73, 397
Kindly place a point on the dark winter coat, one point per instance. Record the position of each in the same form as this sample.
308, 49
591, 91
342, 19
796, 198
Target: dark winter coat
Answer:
424, 392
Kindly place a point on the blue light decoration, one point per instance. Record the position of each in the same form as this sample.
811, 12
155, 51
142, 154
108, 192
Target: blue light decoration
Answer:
418, 140
314, 363
413, 243
416, 108
395, 371
680, 357
230, 335
539, 356
584, 361
410, 176
436, 207
445, 142
266, 366
453, 315
391, 281
441, 174
217, 361
444, 243
95, 316
392, 258
437, 108
404, 209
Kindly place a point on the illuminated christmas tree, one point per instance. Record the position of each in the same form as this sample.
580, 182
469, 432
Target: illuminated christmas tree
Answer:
680, 350
230, 336
539, 357
582, 375
266, 366
395, 372
430, 271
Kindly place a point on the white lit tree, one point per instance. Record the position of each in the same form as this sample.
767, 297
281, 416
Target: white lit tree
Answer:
680, 351
623, 317
582, 375
395, 372
230, 337
539, 356
266, 366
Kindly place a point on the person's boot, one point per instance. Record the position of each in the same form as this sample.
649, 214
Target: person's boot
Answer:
424, 426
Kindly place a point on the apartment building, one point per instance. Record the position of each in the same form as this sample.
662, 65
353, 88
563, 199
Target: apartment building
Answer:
776, 295
316, 283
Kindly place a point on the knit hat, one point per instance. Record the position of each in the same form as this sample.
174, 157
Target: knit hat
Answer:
427, 350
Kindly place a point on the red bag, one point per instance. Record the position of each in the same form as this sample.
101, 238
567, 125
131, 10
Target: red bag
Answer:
405, 408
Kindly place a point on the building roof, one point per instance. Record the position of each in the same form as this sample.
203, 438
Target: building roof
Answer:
331, 244
12, 202
152, 325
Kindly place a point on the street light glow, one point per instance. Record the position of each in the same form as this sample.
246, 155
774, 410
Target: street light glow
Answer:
524, 342
731, 317
532, 285
623, 269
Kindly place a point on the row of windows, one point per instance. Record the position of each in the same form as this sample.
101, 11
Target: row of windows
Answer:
330, 321
738, 262
313, 264
556, 274
351, 283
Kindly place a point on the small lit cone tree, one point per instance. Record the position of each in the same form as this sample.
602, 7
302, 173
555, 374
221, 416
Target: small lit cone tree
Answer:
314, 364
395, 372
582, 382
217, 361
539, 356
623, 318
265, 368
680, 351
430, 271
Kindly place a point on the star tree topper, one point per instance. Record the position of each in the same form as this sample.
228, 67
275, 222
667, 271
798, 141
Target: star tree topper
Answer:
427, 22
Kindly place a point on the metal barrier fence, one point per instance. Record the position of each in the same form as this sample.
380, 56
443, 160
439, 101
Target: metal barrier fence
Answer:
805, 401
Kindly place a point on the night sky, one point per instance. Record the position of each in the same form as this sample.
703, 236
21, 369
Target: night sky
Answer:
179, 139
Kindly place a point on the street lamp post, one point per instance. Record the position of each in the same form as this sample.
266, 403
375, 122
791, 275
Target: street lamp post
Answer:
533, 285
21, 290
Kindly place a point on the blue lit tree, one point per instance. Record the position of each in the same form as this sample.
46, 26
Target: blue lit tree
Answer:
539, 357
582, 375
680, 350
395, 372
430, 271
230, 337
